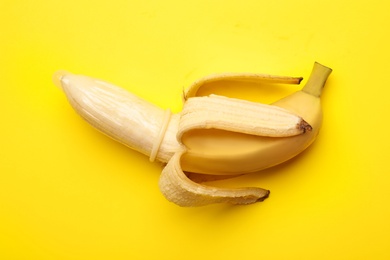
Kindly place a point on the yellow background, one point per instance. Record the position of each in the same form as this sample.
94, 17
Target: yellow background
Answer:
69, 192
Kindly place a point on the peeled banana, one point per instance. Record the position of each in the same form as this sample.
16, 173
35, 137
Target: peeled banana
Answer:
213, 135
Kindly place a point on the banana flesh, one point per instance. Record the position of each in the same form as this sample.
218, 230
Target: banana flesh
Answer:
212, 136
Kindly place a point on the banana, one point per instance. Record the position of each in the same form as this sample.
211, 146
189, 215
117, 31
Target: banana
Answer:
212, 136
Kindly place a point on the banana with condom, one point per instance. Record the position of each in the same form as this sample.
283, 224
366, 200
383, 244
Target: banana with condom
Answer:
213, 135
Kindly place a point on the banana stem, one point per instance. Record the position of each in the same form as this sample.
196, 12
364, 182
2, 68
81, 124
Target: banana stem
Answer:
317, 79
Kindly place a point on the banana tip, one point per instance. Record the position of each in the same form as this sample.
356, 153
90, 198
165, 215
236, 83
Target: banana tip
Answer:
58, 76
266, 195
304, 126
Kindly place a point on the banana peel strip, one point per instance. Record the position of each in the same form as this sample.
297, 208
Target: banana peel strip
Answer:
178, 188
